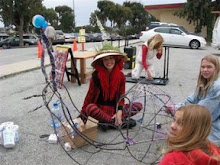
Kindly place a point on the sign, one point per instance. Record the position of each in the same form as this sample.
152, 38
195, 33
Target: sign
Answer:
82, 32
60, 57
81, 39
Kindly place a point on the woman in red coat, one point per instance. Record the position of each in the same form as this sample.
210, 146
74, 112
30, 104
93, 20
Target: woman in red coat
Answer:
188, 142
107, 85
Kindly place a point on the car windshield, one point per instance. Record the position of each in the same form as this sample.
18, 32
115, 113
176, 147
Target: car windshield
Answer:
183, 29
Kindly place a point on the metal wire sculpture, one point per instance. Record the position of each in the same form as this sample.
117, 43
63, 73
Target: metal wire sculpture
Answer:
143, 143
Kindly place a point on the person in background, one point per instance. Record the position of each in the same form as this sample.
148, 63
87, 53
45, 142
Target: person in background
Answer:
50, 32
187, 142
145, 59
107, 86
207, 93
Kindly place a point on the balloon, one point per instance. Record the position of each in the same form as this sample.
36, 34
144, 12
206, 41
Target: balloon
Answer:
45, 24
38, 21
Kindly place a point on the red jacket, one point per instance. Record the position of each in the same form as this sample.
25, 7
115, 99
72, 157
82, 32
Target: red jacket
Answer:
94, 92
144, 55
195, 157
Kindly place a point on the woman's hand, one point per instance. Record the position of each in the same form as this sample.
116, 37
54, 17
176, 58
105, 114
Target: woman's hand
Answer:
149, 75
118, 118
169, 109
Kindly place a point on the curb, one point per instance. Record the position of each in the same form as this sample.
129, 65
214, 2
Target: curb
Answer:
8, 68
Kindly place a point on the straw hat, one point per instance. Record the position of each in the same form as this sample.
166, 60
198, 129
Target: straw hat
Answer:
111, 51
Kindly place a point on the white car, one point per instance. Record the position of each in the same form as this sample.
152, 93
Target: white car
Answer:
69, 37
175, 36
216, 34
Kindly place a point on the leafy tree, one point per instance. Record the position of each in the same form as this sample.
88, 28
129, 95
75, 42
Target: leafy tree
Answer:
66, 20
92, 18
93, 21
198, 13
50, 16
107, 9
19, 13
139, 18
122, 15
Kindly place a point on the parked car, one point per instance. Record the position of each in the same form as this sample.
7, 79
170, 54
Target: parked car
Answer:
69, 37
114, 37
60, 38
152, 25
3, 36
88, 38
216, 34
130, 37
96, 37
14, 41
30, 37
175, 36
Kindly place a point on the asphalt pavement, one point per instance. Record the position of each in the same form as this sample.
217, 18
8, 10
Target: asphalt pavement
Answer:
23, 79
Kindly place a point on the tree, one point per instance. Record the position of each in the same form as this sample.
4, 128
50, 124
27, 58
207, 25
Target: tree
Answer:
65, 18
50, 16
139, 18
107, 8
92, 18
121, 15
198, 13
19, 13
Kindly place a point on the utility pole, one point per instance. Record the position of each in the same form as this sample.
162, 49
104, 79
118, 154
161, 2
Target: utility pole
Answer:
74, 17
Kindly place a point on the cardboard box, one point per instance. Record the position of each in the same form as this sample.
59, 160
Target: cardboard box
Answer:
89, 130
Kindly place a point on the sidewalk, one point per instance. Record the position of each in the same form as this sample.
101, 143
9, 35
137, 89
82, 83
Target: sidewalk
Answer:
29, 65
25, 66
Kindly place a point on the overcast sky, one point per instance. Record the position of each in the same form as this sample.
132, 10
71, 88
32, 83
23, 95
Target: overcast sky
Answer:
83, 8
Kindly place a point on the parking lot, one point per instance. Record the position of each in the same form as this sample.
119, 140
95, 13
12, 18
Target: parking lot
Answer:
31, 149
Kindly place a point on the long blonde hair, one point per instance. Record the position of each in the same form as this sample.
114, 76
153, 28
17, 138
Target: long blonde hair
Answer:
155, 42
196, 129
206, 83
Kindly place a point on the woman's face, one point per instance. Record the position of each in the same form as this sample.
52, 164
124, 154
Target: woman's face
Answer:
177, 124
109, 62
207, 69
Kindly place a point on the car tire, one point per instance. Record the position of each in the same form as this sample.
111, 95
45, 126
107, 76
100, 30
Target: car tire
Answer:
194, 44
26, 44
4, 46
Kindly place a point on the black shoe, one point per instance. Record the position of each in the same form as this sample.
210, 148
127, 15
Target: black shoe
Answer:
128, 123
103, 127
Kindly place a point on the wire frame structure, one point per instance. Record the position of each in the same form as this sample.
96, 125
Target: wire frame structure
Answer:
142, 144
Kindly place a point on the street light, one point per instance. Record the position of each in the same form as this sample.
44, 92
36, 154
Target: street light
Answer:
74, 20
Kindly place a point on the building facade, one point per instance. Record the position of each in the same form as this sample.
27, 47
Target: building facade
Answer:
165, 13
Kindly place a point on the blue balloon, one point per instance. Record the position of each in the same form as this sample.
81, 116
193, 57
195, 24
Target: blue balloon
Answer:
38, 21
45, 24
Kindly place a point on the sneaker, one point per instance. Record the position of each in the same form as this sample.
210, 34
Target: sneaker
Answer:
103, 127
129, 123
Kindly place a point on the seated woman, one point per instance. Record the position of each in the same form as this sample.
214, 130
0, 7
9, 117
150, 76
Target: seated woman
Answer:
187, 141
107, 86
207, 93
